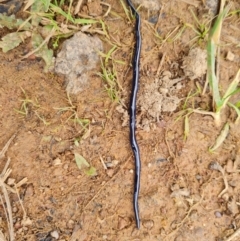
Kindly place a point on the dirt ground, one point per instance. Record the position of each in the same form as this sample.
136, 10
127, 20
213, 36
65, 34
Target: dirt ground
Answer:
181, 195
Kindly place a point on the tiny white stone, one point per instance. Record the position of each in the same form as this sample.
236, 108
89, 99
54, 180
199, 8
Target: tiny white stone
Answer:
10, 181
55, 234
57, 162
230, 56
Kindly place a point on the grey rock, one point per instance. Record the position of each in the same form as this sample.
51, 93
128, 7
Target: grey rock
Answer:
213, 5
77, 59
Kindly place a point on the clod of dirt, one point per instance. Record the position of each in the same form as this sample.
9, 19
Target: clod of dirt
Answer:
195, 64
94, 8
156, 97
232, 206
160, 96
123, 222
149, 4
180, 192
76, 59
213, 5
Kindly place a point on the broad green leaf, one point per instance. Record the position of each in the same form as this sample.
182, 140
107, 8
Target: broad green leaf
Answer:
37, 7
45, 53
11, 22
91, 171
231, 88
12, 40
81, 161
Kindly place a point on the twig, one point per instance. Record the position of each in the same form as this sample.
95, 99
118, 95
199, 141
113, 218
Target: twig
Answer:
103, 163
234, 235
191, 2
5, 148
159, 17
216, 166
78, 7
7, 200
160, 64
169, 149
108, 10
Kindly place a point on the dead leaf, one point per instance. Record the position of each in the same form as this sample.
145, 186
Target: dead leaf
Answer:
81, 161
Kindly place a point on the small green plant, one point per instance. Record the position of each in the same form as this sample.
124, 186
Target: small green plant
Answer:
109, 74
219, 102
41, 26
72, 109
172, 35
26, 102
201, 28
83, 164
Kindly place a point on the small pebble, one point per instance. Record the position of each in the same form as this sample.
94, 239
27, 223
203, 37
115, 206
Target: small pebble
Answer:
131, 170
110, 172
148, 224
55, 234
193, 215
123, 222
17, 225
14, 209
218, 214
153, 19
230, 56
65, 166
104, 237
70, 224
10, 181
167, 73
57, 162
198, 177
149, 165
26, 222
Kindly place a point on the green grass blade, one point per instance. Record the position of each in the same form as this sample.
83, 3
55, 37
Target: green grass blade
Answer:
211, 75
221, 138
231, 88
237, 111
57, 9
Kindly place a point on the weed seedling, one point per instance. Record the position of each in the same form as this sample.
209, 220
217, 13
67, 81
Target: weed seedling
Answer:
109, 74
83, 123
201, 29
219, 102
26, 102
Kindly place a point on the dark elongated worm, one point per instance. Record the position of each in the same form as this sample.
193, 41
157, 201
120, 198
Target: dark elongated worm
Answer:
133, 141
